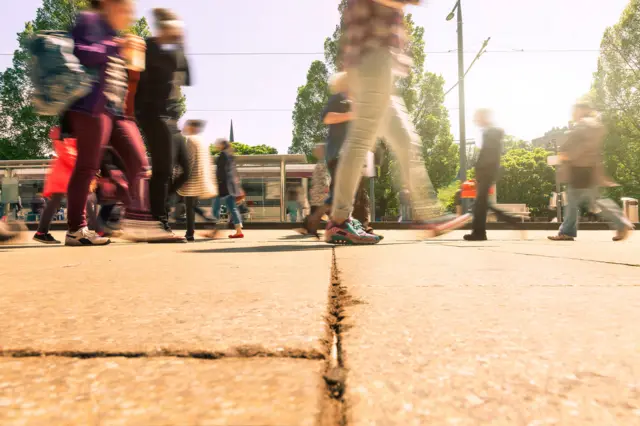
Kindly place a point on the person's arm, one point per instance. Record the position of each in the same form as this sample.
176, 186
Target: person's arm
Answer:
142, 91
89, 54
187, 70
334, 112
337, 117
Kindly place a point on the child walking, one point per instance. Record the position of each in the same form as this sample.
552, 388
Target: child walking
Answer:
200, 184
56, 182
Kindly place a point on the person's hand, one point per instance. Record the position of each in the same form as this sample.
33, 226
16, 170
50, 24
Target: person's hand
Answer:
122, 42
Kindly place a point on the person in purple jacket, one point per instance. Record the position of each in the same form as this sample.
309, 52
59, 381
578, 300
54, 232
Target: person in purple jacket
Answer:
99, 119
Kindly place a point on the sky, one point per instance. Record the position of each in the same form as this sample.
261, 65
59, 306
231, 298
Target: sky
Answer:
530, 92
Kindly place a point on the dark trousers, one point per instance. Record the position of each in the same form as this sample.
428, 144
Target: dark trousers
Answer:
92, 134
191, 206
332, 166
482, 205
50, 210
168, 149
53, 205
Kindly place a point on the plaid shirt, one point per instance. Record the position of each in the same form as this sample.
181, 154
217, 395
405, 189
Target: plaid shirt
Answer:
370, 25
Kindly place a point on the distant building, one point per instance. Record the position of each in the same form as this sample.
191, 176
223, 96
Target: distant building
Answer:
552, 139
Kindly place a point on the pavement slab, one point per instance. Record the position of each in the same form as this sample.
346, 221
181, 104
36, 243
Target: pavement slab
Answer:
265, 293
159, 392
451, 334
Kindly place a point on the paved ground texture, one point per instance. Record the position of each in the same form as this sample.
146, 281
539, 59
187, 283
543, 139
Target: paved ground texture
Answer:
282, 330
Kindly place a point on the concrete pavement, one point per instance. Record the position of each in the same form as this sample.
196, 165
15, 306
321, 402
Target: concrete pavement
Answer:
256, 332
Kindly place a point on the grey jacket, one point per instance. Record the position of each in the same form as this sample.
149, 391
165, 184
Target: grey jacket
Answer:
583, 150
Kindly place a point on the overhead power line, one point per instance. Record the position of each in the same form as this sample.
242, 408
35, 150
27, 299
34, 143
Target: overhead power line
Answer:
433, 52
263, 110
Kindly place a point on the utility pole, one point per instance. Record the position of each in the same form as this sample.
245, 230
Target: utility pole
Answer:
559, 200
463, 131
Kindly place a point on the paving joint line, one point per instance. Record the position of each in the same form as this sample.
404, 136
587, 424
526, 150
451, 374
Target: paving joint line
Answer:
577, 259
247, 352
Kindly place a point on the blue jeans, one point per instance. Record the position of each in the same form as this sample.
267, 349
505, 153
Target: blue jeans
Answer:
609, 210
232, 208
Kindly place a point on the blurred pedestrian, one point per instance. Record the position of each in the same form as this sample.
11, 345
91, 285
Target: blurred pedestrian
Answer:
487, 169
229, 188
56, 181
158, 108
201, 183
373, 36
582, 169
320, 182
98, 118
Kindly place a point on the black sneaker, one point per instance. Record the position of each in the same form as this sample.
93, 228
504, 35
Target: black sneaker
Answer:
45, 238
190, 238
475, 237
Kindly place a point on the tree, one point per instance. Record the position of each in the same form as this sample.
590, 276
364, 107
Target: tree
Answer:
308, 128
616, 93
526, 178
512, 142
23, 133
423, 93
243, 149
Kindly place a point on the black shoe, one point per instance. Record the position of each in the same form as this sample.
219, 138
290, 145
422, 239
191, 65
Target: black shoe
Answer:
475, 237
45, 238
190, 238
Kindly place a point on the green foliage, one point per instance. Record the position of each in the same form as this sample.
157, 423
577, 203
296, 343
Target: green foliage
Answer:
308, 128
423, 93
511, 142
332, 44
447, 196
244, 149
140, 28
387, 201
526, 179
615, 90
23, 133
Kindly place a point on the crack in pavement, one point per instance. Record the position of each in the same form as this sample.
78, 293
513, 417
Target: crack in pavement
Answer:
333, 410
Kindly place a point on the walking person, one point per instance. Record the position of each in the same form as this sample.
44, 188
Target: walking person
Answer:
336, 115
487, 169
56, 182
293, 204
200, 184
158, 110
98, 118
372, 56
320, 182
229, 187
582, 169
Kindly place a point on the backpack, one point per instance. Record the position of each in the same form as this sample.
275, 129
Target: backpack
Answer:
58, 77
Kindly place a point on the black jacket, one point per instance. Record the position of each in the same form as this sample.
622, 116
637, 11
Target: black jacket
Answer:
227, 176
165, 72
491, 152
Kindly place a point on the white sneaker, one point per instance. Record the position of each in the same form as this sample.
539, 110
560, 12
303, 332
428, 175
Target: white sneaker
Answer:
84, 237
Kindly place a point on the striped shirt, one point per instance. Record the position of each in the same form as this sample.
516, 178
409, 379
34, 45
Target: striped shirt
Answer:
202, 182
369, 25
